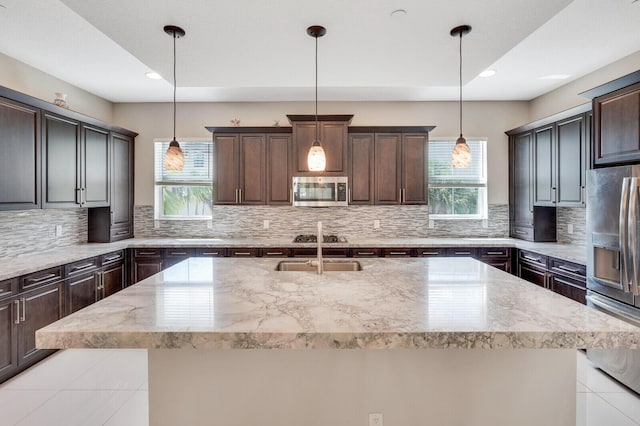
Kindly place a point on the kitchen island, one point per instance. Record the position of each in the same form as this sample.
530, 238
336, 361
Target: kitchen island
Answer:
444, 341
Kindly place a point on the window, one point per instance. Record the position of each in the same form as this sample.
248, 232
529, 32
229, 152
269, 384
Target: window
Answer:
457, 193
186, 194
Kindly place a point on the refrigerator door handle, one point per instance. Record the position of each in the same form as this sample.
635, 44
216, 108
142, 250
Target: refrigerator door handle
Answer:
623, 229
633, 236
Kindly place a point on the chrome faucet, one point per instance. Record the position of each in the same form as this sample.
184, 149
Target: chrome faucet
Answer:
318, 262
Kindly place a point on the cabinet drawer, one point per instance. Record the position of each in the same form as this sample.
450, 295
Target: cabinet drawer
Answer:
243, 252
489, 252
522, 232
210, 252
397, 252
365, 252
40, 278
147, 252
532, 274
326, 252
274, 252
461, 252
82, 266
532, 258
8, 287
567, 268
180, 253
431, 252
121, 232
111, 258
568, 287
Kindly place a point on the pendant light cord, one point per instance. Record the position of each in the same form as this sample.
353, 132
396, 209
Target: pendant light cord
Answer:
174, 86
316, 88
460, 82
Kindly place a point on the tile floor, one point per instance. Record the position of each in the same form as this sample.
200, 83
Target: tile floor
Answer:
109, 387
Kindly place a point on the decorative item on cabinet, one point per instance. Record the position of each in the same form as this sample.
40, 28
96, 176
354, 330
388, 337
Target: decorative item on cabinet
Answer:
60, 100
616, 121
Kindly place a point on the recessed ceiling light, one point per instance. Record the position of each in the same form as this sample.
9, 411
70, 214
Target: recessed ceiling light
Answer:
398, 13
555, 77
153, 75
487, 73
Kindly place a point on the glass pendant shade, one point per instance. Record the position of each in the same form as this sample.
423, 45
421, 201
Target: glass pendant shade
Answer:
316, 159
174, 157
461, 156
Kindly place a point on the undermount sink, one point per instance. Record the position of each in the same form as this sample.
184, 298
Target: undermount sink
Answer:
329, 266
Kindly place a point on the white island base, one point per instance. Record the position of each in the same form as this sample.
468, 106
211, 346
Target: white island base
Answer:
341, 387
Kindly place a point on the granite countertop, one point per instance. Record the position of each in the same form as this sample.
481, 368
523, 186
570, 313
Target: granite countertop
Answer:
28, 263
413, 303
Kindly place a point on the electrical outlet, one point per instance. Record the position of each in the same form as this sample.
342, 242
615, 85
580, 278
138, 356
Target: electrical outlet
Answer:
432, 224
265, 224
485, 223
376, 224
570, 228
58, 230
376, 419
209, 224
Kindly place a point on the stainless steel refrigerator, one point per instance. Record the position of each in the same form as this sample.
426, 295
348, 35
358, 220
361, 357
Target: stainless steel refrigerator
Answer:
613, 260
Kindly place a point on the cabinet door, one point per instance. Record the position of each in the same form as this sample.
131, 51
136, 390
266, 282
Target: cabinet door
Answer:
8, 338
617, 125
225, 185
414, 168
112, 280
95, 167
61, 157
20, 159
144, 268
532, 274
361, 168
333, 137
388, 164
279, 169
544, 167
253, 169
573, 289
571, 160
122, 186
522, 208
38, 309
81, 291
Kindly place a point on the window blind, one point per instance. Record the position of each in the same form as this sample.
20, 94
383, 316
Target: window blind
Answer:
442, 173
198, 164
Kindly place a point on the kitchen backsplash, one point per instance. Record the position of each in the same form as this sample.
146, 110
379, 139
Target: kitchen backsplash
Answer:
577, 217
352, 222
29, 231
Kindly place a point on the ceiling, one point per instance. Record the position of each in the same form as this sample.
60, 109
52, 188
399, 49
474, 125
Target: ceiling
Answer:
253, 50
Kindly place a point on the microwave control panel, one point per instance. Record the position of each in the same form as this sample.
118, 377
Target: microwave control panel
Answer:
342, 192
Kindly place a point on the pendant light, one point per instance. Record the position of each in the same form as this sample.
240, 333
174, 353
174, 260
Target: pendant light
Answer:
316, 159
174, 157
461, 155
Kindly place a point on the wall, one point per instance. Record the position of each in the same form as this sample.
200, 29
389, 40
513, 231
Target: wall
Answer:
19, 76
568, 96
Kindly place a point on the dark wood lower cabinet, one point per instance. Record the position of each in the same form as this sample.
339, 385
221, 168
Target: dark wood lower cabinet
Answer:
82, 291
113, 279
144, 268
8, 338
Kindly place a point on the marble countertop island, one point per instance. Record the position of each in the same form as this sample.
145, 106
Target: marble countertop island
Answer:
444, 341
208, 303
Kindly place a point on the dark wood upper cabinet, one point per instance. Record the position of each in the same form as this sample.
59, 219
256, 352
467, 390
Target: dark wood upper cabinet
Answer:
361, 168
388, 165
520, 179
414, 168
279, 169
61, 165
333, 134
544, 160
571, 160
20, 159
226, 150
616, 121
95, 165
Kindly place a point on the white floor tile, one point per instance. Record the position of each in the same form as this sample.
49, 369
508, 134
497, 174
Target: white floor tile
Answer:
58, 370
627, 402
77, 408
583, 365
17, 404
135, 412
591, 410
581, 388
598, 381
126, 369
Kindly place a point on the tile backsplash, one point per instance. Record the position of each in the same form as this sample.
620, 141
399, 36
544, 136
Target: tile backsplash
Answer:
29, 231
577, 217
351, 222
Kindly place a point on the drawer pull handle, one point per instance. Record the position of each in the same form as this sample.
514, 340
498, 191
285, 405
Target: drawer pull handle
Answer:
23, 314
533, 259
17, 320
112, 258
173, 253
366, 253
211, 252
42, 278
147, 253
430, 253
521, 232
122, 232
82, 267
461, 253
274, 253
568, 269
242, 253
496, 253
398, 253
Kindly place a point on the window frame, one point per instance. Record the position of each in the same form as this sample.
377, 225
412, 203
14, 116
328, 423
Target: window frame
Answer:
158, 201
483, 200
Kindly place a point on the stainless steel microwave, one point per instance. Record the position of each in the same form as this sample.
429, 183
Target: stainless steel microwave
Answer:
320, 191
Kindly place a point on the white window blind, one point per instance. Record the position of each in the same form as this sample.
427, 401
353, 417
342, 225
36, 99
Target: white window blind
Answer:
198, 164
441, 171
